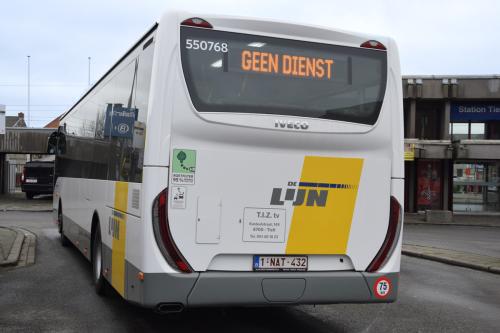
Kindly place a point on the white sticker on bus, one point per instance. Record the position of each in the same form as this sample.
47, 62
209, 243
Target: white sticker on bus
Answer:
179, 197
264, 225
182, 178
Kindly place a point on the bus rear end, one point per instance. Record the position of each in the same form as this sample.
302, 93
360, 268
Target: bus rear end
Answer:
285, 179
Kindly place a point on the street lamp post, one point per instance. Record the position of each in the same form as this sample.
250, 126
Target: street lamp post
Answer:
89, 70
29, 106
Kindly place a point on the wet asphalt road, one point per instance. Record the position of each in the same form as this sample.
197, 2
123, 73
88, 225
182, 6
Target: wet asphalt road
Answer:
56, 294
472, 239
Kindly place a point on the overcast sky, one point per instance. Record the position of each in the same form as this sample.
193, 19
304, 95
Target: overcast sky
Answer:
434, 37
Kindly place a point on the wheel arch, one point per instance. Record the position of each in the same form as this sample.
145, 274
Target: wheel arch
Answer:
100, 279
59, 211
95, 224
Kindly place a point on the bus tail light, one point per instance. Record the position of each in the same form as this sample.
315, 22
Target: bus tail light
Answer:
391, 238
164, 237
373, 44
197, 22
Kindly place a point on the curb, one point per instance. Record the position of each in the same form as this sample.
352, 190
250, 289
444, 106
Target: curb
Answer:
25, 210
28, 251
455, 224
451, 257
15, 251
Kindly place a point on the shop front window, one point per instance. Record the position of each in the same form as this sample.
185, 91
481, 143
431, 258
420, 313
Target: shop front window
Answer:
476, 187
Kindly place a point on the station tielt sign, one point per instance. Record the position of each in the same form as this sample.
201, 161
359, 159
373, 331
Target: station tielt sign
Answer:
475, 111
119, 121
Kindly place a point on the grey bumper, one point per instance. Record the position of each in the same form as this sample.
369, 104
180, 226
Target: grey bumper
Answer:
295, 288
250, 288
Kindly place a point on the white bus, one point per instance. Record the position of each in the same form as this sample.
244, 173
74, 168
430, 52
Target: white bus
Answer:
238, 161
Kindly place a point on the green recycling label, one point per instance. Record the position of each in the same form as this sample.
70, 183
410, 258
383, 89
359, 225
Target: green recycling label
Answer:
183, 166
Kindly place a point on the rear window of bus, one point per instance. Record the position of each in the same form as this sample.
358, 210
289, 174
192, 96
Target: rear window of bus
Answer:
242, 73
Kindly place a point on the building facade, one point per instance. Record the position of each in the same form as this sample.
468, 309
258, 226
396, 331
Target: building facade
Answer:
11, 165
452, 143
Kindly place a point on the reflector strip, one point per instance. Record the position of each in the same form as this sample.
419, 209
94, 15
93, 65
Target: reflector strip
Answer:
324, 185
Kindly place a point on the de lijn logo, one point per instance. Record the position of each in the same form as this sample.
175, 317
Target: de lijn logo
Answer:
305, 193
299, 197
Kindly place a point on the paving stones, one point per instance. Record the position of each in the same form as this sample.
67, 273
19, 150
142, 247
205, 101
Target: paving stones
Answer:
11, 244
7, 238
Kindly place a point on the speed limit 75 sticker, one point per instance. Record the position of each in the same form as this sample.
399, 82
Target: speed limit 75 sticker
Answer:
382, 287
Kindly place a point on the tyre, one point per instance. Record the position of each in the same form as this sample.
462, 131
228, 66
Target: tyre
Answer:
64, 240
30, 195
98, 278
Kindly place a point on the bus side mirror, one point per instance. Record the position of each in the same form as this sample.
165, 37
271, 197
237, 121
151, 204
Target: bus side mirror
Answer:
52, 143
56, 143
61, 147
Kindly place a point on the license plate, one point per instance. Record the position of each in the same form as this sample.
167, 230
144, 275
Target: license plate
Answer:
280, 263
31, 180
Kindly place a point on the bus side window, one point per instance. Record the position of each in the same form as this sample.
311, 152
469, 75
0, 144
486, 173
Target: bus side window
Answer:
140, 103
125, 122
106, 132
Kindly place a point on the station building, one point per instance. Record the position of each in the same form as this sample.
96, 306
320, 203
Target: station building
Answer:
452, 143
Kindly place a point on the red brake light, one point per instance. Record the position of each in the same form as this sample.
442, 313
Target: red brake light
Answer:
197, 22
23, 175
391, 238
163, 236
373, 44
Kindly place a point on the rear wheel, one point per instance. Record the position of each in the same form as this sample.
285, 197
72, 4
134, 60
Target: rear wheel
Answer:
64, 240
30, 195
99, 281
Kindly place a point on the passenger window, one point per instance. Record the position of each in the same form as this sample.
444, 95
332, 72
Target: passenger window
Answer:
108, 130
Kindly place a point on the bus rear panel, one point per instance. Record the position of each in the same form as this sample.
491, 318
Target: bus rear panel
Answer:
281, 182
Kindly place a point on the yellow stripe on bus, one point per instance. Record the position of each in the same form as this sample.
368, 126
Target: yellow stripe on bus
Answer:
118, 249
325, 229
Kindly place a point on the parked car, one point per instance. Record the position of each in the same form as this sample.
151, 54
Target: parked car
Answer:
37, 178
